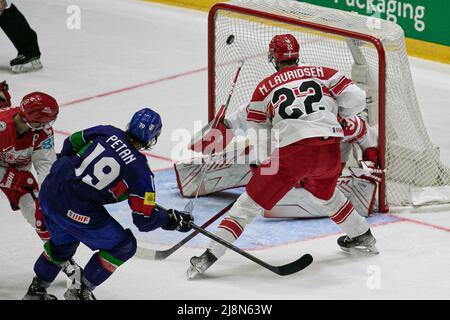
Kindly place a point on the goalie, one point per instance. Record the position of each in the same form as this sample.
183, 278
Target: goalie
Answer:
228, 166
302, 104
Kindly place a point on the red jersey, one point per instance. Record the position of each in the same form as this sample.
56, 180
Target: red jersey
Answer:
31, 147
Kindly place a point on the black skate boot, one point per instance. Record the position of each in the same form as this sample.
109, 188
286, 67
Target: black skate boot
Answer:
38, 291
24, 64
201, 264
364, 243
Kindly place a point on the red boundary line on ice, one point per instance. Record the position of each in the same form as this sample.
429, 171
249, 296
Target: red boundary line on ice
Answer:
420, 222
400, 219
136, 86
151, 155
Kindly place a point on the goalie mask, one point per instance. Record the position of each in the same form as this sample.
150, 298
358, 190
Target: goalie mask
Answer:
283, 47
145, 126
38, 110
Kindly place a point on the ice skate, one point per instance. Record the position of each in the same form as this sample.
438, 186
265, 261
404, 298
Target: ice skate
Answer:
83, 293
364, 243
200, 264
24, 64
77, 290
69, 268
37, 291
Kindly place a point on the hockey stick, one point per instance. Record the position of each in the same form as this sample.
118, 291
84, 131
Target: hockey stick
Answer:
190, 205
282, 270
31, 192
151, 254
360, 59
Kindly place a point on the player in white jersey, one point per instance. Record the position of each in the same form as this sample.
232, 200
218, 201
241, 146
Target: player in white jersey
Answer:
302, 103
358, 183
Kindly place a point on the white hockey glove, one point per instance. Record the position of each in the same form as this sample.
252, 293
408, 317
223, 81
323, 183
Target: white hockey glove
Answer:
368, 170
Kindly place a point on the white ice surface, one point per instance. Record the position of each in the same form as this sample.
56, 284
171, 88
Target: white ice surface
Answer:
163, 51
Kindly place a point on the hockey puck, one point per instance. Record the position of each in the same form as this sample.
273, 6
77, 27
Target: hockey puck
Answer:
230, 39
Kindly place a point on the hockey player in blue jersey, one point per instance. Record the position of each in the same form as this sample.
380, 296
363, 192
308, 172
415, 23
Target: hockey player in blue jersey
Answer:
98, 166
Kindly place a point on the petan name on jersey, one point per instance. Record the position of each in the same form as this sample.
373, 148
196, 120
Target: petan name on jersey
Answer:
121, 149
291, 75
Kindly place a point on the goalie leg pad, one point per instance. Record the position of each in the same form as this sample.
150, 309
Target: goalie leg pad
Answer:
223, 172
298, 203
360, 192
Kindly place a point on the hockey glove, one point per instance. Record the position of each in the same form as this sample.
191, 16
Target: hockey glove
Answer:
368, 170
179, 221
354, 128
5, 98
22, 181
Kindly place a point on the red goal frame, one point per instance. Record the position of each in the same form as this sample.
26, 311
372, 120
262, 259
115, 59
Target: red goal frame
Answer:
382, 203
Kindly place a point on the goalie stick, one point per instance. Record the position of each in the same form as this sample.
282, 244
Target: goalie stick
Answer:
190, 205
151, 254
283, 270
360, 60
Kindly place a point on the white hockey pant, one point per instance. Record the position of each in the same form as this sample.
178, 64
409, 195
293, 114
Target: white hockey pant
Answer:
342, 212
28, 208
338, 208
242, 213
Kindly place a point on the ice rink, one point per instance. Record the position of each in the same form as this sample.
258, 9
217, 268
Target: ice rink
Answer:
129, 54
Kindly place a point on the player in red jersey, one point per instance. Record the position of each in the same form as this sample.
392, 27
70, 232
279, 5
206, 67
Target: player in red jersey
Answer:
301, 103
26, 140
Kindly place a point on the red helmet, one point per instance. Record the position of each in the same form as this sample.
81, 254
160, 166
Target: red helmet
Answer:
283, 47
38, 107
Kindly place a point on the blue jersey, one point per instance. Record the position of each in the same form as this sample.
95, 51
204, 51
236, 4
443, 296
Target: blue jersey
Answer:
99, 166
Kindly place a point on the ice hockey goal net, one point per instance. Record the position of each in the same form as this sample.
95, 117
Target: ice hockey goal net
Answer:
242, 29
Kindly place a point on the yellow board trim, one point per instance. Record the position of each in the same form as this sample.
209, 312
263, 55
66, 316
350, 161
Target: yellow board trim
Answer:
202, 5
415, 48
428, 50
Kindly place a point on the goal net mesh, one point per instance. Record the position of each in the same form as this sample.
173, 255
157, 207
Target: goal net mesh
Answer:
412, 161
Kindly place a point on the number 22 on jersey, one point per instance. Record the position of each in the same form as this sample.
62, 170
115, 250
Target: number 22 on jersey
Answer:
284, 99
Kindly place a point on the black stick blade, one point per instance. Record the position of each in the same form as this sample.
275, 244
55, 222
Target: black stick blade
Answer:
294, 266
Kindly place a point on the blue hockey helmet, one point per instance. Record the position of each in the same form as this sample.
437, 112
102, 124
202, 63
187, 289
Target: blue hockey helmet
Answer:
145, 126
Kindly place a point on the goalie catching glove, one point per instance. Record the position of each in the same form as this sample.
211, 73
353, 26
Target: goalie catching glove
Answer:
179, 221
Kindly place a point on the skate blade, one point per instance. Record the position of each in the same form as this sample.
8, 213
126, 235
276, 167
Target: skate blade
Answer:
27, 67
359, 251
71, 294
192, 272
